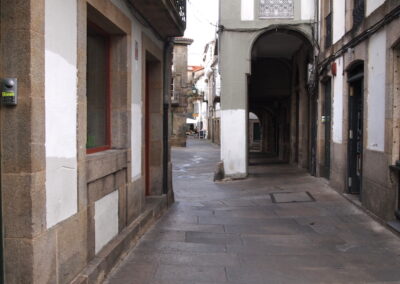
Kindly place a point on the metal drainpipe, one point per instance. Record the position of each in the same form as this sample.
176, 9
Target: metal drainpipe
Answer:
167, 78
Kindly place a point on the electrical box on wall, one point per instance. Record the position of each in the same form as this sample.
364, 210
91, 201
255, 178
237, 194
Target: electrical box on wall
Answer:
9, 95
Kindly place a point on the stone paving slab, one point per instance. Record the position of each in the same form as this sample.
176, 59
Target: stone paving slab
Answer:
232, 232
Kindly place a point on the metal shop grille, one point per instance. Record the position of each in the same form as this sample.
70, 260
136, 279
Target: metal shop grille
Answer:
272, 9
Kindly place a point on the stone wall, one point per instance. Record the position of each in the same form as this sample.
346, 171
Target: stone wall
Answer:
77, 227
377, 53
179, 93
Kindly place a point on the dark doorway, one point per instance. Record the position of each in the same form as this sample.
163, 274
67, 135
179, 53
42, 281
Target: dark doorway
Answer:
98, 90
327, 114
153, 122
355, 140
280, 96
313, 134
256, 132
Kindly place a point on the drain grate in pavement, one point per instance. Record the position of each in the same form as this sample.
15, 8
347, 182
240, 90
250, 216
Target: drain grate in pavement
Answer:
292, 197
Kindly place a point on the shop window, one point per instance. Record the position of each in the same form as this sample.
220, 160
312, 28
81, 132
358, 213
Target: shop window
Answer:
98, 90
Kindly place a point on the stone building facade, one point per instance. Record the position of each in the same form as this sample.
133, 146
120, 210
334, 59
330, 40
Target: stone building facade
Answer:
85, 159
358, 101
212, 87
322, 77
266, 50
180, 90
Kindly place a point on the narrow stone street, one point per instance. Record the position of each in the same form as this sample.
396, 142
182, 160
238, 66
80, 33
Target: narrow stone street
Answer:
278, 226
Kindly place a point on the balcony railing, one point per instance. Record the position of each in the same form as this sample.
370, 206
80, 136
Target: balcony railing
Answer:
167, 17
181, 8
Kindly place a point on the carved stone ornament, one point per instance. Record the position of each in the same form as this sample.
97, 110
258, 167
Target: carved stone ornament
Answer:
272, 9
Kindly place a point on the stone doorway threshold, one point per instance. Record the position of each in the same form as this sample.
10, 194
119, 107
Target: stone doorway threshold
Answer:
103, 263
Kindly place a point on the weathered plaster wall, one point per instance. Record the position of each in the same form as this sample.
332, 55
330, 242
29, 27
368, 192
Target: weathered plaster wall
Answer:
376, 92
233, 142
372, 5
137, 105
247, 10
307, 9
337, 111
339, 16
234, 101
61, 109
106, 220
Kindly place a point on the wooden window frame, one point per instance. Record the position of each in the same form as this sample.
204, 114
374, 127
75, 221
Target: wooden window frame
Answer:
107, 36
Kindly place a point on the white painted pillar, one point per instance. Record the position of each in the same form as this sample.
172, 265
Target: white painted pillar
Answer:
234, 142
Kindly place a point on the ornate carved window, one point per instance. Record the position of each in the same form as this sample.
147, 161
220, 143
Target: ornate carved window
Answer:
272, 9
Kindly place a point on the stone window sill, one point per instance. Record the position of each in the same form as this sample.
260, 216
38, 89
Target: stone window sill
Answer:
101, 164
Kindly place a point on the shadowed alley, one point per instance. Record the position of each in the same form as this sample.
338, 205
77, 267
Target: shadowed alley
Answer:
278, 226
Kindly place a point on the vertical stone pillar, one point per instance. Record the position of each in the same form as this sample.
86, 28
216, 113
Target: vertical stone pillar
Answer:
181, 88
29, 250
234, 102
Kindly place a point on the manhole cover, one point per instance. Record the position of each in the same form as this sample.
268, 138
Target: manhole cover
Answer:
291, 197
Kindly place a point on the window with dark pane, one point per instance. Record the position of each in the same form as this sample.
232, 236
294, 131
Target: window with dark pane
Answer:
98, 102
358, 12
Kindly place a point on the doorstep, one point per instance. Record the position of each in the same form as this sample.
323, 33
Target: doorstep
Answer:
97, 269
395, 225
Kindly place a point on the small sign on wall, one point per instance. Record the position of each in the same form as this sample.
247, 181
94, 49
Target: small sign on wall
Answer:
136, 50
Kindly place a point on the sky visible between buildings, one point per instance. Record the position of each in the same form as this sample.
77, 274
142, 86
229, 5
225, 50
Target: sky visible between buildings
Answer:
202, 21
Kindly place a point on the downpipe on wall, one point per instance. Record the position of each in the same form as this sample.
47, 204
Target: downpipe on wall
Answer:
167, 61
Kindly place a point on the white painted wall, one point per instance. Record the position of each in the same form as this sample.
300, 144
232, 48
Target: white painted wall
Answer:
307, 9
204, 117
337, 120
61, 109
372, 5
339, 19
137, 115
233, 139
376, 91
105, 220
247, 10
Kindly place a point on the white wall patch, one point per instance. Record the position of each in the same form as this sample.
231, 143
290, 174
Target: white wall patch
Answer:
339, 19
372, 5
233, 141
136, 138
307, 9
337, 125
105, 220
376, 91
61, 109
247, 10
